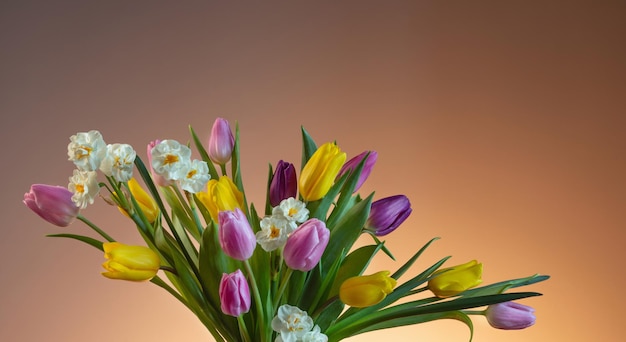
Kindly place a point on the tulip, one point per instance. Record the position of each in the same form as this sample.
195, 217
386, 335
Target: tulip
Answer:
221, 142
146, 203
135, 263
319, 173
364, 291
305, 246
353, 163
221, 195
451, 281
283, 184
235, 234
53, 203
510, 316
234, 294
387, 214
158, 179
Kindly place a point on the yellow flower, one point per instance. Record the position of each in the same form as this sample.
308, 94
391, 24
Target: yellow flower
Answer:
146, 203
451, 281
135, 263
319, 173
221, 195
364, 291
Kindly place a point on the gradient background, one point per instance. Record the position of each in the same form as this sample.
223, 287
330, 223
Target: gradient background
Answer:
502, 121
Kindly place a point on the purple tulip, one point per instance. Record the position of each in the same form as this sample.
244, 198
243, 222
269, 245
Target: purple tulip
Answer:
510, 316
353, 163
387, 214
235, 234
221, 142
283, 184
53, 203
234, 294
158, 179
305, 246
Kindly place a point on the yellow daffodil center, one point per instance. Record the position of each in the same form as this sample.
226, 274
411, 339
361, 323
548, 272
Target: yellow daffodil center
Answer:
292, 211
274, 232
83, 152
80, 188
170, 159
191, 173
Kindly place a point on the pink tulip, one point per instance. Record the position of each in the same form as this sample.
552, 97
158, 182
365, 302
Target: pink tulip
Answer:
352, 164
235, 234
221, 142
510, 316
234, 294
53, 203
305, 246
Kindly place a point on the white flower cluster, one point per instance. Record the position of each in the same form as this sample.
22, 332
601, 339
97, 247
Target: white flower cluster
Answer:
284, 220
295, 325
89, 152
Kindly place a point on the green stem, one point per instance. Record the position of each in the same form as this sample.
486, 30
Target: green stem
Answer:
223, 168
243, 330
194, 212
282, 287
95, 228
257, 300
319, 310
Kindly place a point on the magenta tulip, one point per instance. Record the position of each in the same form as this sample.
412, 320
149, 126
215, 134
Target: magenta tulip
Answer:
221, 142
235, 234
387, 214
305, 246
283, 184
234, 294
353, 163
53, 203
510, 316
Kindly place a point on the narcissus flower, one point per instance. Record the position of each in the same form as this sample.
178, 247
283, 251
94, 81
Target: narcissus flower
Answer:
291, 323
305, 246
86, 150
196, 178
273, 233
221, 195
387, 214
157, 178
135, 263
221, 142
119, 162
235, 234
364, 291
293, 211
283, 184
234, 294
53, 203
354, 162
84, 186
146, 203
452, 281
319, 173
170, 159
510, 316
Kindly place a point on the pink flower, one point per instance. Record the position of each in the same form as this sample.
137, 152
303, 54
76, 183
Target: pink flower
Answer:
305, 246
235, 234
221, 142
234, 294
510, 316
353, 163
53, 203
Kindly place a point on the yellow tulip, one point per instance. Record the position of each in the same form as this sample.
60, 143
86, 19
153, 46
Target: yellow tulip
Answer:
451, 281
221, 195
135, 263
319, 173
364, 291
146, 203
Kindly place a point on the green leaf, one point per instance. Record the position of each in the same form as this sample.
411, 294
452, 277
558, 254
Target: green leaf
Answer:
502, 286
203, 154
410, 262
86, 239
308, 147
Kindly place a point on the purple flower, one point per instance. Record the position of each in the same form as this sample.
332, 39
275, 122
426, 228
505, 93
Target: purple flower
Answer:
53, 203
234, 294
510, 316
353, 163
235, 234
283, 184
221, 142
387, 214
305, 246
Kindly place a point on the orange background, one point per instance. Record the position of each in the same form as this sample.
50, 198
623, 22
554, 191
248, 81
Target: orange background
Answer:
501, 121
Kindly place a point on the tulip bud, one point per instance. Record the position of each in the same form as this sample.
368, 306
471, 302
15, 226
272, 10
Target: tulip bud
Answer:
387, 214
221, 142
146, 203
364, 291
451, 281
305, 246
283, 184
52, 203
353, 163
319, 173
510, 316
235, 234
234, 294
158, 179
221, 195
135, 263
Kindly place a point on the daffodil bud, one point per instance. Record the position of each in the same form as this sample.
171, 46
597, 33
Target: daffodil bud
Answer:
364, 291
284, 184
319, 173
52, 203
510, 316
135, 263
452, 281
221, 195
146, 203
387, 214
221, 142
353, 163
234, 294
235, 234
305, 246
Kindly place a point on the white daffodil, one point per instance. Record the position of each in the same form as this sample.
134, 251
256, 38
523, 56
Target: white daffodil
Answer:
86, 150
293, 211
197, 177
292, 323
119, 162
314, 335
273, 233
170, 159
85, 187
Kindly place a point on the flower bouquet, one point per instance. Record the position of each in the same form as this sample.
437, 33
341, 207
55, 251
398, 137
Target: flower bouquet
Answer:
288, 272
